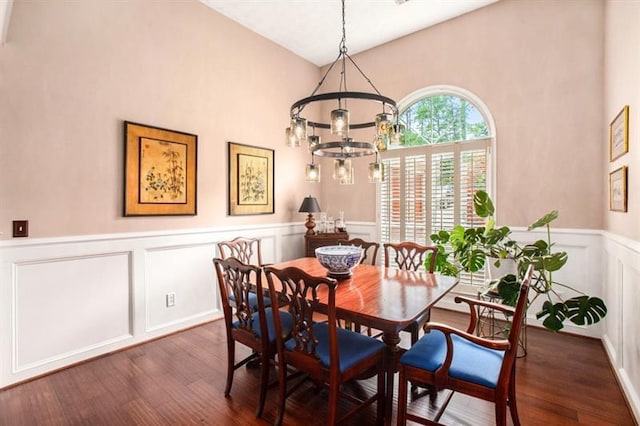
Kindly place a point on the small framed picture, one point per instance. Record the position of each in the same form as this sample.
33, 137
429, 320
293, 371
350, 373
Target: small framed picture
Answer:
159, 171
618, 190
250, 180
619, 134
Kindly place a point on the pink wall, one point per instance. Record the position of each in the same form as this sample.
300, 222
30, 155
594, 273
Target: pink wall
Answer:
622, 87
538, 67
72, 72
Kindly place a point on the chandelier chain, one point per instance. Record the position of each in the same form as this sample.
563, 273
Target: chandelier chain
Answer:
343, 43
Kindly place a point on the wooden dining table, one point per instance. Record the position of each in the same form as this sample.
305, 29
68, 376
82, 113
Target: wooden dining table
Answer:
386, 299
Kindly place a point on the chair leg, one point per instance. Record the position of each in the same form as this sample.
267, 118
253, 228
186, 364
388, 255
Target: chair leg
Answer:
264, 382
282, 391
382, 400
415, 333
402, 398
333, 403
513, 406
501, 413
231, 357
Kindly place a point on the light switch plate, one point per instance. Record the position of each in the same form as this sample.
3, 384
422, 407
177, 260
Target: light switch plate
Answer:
20, 228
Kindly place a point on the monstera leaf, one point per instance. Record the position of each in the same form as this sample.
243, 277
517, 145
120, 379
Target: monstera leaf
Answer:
544, 220
551, 262
585, 310
509, 289
473, 260
483, 204
442, 263
555, 315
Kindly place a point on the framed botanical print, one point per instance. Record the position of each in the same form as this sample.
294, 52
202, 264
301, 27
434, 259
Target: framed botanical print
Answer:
159, 171
619, 134
618, 190
250, 180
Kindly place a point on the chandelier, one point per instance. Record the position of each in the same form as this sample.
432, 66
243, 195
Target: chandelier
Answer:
387, 128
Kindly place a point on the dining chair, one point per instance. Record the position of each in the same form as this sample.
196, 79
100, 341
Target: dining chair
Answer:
411, 256
369, 251
369, 248
447, 358
247, 251
326, 353
247, 323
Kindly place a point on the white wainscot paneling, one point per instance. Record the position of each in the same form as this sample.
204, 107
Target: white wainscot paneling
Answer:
63, 307
291, 246
187, 272
613, 296
631, 327
65, 300
583, 272
622, 290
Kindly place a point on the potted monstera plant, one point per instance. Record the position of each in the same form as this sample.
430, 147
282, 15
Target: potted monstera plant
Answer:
469, 248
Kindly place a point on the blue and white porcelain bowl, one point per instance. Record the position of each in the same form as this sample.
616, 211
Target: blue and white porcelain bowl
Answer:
339, 260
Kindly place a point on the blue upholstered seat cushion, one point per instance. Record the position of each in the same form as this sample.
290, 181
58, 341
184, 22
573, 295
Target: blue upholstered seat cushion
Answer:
471, 362
253, 300
353, 347
285, 322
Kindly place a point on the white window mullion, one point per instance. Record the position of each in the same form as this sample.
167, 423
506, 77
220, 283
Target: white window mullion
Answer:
429, 191
403, 199
456, 183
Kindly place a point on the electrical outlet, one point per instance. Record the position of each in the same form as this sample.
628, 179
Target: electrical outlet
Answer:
171, 300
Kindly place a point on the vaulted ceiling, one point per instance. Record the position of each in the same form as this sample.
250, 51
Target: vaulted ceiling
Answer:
313, 28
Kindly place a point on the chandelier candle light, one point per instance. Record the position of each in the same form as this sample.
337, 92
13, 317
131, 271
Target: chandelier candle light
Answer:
387, 128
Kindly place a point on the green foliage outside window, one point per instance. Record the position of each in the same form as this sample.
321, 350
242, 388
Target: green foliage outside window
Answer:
443, 118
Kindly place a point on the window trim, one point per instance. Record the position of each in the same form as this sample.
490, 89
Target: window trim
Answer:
489, 142
444, 89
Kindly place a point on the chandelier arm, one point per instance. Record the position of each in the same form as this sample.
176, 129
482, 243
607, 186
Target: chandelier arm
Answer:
362, 73
351, 126
320, 82
346, 95
359, 149
299, 105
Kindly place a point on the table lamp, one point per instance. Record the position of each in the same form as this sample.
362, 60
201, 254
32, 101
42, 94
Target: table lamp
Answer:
309, 205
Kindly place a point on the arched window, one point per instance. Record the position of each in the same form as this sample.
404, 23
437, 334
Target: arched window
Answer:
444, 157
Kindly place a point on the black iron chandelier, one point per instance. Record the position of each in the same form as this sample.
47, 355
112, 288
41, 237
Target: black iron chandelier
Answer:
387, 128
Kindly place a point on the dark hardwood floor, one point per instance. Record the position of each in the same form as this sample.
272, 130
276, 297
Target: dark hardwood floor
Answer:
179, 379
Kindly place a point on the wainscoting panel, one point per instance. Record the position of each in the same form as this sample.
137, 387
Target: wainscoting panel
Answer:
65, 300
622, 333
186, 273
47, 323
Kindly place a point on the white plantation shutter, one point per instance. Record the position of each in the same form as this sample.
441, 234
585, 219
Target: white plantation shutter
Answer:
442, 191
473, 172
429, 188
415, 200
390, 201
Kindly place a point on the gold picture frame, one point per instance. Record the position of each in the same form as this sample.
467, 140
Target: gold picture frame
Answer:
618, 190
250, 180
619, 134
160, 171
